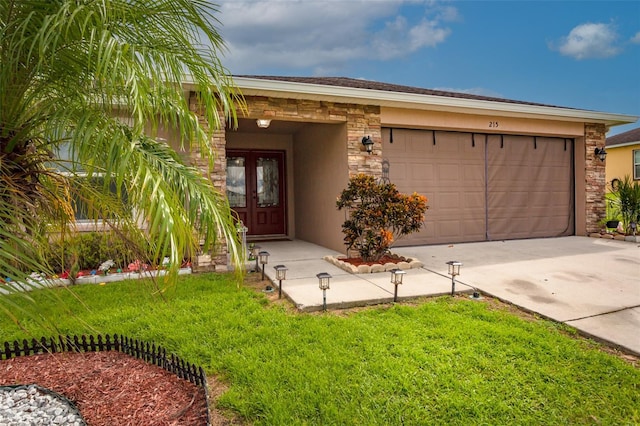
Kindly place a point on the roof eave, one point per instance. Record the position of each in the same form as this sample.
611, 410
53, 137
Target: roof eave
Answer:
287, 89
624, 144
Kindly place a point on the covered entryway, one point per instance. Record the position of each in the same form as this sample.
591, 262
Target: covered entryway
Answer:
255, 189
484, 186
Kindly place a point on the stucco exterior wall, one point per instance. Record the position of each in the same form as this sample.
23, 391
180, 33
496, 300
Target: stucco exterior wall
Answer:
320, 173
619, 162
479, 123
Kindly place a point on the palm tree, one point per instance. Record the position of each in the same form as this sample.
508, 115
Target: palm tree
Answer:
94, 79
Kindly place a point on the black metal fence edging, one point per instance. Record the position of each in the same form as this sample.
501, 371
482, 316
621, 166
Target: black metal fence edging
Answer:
150, 353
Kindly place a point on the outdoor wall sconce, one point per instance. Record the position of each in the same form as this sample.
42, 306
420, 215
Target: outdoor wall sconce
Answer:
323, 282
254, 254
281, 274
454, 269
368, 144
601, 153
263, 123
264, 259
396, 280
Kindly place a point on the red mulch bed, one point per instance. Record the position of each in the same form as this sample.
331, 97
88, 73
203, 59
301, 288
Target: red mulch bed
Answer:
111, 388
389, 258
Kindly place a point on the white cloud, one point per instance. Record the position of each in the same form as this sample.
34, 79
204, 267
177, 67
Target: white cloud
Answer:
588, 41
636, 39
326, 35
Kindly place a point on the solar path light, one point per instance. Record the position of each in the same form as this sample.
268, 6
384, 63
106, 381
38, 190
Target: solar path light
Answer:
454, 269
396, 280
323, 283
254, 254
281, 274
264, 259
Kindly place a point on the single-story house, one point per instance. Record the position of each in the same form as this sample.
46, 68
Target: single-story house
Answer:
623, 156
492, 169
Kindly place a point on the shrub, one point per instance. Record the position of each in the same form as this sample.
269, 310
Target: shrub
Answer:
626, 199
378, 215
89, 250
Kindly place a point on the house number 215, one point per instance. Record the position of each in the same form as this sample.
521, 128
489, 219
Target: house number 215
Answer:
493, 124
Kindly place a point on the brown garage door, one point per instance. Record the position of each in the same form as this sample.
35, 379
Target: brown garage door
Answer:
483, 187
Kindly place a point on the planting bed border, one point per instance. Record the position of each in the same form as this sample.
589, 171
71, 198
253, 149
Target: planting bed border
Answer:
338, 261
150, 353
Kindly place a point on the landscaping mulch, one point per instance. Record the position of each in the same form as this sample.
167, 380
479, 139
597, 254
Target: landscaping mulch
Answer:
112, 388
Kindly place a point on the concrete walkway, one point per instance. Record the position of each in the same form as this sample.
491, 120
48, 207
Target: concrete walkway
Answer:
590, 284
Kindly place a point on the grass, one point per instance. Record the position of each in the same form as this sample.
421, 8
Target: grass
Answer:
439, 361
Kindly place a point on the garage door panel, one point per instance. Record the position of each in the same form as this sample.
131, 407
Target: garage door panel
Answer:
528, 191
422, 173
524, 190
451, 175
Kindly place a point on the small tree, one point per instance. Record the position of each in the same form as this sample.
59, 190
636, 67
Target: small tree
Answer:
378, 215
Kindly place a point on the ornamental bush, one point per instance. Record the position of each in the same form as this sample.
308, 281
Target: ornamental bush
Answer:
626, 201
378, 215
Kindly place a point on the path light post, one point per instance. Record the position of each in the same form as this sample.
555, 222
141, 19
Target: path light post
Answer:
264, 259
242, 230
454, 269
323, 282
396, 280
281, 274
254, 254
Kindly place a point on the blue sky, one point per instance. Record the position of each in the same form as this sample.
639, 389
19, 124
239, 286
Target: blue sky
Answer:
580, 54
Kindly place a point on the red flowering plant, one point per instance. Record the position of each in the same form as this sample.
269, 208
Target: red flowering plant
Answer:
378, 215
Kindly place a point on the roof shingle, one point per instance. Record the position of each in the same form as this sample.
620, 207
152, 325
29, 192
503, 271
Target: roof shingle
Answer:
632, 135
374, 85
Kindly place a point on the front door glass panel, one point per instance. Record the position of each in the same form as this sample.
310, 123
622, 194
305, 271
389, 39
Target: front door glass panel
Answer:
236, 182
268, 182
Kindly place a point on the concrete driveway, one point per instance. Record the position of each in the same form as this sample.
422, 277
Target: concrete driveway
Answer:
591, 284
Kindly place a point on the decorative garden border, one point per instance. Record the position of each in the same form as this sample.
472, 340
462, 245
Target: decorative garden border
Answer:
150, 353
338, 261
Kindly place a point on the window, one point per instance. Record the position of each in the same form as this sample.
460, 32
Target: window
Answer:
85, 212
636, 164
80, 206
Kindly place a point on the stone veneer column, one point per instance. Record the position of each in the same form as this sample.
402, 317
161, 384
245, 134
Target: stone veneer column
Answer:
217, 175
595, 179
364, 120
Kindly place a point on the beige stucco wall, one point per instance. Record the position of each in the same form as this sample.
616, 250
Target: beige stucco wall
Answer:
619, 162
320, 173
438, 120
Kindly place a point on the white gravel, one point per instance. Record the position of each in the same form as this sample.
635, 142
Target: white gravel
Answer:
32, 405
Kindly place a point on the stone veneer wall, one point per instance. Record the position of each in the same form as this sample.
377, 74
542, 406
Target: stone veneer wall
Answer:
217, 175
595, 178
361, 120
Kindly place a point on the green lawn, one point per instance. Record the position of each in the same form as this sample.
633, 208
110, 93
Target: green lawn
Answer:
440, 361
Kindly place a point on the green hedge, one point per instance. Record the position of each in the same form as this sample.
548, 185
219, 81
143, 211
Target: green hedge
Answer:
89, 250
